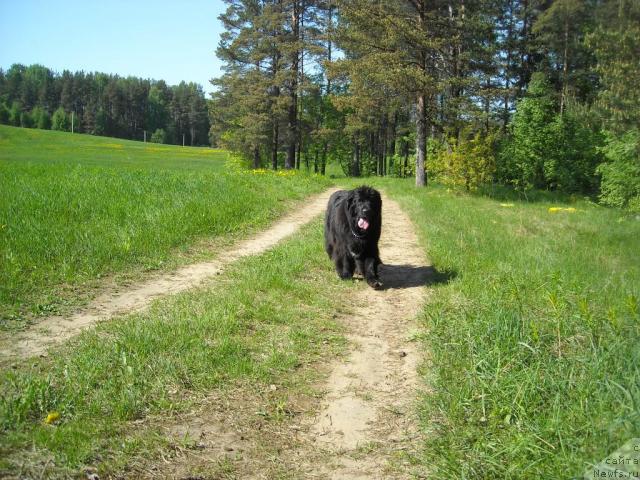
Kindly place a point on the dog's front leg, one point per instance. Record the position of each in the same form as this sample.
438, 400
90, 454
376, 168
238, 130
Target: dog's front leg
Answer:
345, 267
371, 272
359, 266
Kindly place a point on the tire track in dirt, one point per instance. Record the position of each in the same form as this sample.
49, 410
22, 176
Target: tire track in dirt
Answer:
56, 329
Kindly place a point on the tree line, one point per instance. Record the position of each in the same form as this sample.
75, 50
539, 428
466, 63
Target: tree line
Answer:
104, 104
528, 93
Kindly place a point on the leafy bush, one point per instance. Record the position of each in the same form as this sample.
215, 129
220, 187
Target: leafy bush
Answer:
546, 150
403, 163
159, 136
620, 172
14, 114
468, 163
523, 156
41, 118
403, 166
25, 120
60, 120
4, 114
573, 156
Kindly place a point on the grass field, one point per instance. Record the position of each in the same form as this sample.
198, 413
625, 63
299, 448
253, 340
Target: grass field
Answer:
161, 361
48, 147
534, 341
76, 208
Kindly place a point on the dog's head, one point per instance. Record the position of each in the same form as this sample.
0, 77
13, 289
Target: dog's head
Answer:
364, 205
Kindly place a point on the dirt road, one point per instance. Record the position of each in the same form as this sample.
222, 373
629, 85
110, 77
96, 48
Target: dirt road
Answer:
364, 426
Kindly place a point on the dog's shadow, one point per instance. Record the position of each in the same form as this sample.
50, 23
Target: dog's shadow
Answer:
408, 276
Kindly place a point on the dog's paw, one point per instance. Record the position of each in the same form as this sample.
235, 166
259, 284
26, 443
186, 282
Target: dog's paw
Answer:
376, 284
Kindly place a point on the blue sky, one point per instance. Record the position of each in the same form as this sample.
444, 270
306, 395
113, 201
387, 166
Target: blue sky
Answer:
163, 40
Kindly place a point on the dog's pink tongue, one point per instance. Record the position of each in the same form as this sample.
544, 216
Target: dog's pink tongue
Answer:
363, 224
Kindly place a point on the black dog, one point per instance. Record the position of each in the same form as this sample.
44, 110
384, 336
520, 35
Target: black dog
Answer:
351, 233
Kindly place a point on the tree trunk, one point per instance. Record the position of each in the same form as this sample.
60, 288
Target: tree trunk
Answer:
507, 70
256, 157
563, 95
290, 160
274, 151
405, 167
421, 110
394, 129
329, 45
299, 154
384, 158
381, 159
323, 164
299, 86
355, 164
421, 141
487, 105
274, 113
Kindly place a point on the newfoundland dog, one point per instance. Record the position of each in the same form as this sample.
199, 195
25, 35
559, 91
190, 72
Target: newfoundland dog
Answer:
351, 233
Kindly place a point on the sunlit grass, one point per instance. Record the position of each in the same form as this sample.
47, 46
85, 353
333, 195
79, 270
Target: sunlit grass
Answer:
265, 318
51, 147
534, 341
69, 216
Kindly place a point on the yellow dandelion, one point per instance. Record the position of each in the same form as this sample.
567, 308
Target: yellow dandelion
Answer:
507, 205
52, 417
561, 209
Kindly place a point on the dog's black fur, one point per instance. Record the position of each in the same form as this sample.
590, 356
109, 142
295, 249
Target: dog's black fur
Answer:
352, 248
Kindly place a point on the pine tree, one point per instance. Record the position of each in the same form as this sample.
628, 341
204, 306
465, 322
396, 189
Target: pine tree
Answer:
560, 30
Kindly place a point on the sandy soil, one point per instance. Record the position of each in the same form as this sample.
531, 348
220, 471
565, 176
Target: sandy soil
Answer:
56, 329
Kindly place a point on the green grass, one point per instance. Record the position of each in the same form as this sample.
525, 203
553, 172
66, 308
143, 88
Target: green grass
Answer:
46, 147
267, 316
532, 335
533, 342
76, 208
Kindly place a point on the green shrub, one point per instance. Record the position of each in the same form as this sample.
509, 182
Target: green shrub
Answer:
159, 136
573, 155
620, 172
4, 114
41, 118
547, 150
61, 120
14, 114
467, 163
25, 120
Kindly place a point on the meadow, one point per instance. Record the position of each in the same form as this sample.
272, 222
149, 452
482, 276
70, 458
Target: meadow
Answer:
77, 208
114, 388
534, 341
530, 345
